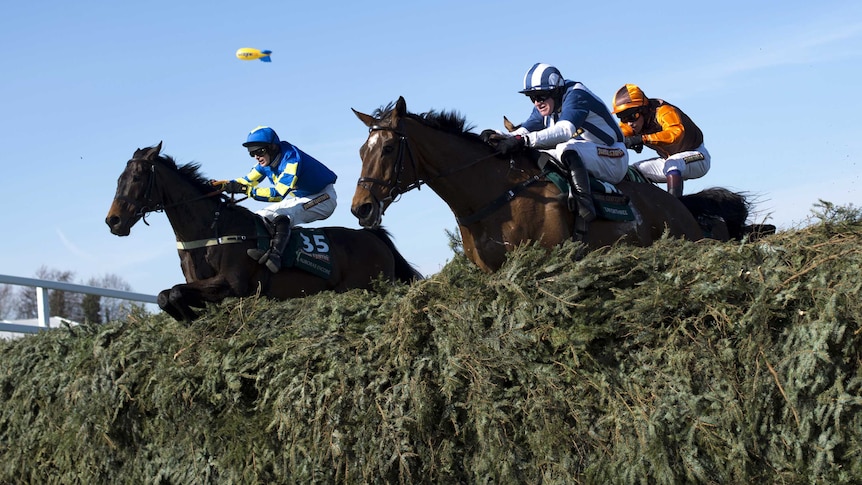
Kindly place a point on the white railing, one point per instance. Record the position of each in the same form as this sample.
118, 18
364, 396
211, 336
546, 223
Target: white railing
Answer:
43, 311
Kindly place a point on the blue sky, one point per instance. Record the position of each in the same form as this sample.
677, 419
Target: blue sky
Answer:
86, 83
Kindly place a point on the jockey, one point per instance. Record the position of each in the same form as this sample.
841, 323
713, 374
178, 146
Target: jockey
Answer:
572, 124
303, 189
667, 130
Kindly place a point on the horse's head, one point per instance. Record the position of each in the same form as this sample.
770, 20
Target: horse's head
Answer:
134, 191
388, 167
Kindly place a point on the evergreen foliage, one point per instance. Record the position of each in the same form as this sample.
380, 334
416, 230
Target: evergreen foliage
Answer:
679, 363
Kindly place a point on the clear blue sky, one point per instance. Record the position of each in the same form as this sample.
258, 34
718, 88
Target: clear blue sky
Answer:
83, 84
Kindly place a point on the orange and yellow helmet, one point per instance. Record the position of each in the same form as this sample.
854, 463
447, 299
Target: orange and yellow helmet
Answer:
628, 97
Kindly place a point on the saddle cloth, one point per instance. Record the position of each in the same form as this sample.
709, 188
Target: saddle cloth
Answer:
610, 203
307, 249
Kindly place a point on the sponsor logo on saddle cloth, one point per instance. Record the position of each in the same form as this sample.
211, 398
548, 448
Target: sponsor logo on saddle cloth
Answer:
308, 249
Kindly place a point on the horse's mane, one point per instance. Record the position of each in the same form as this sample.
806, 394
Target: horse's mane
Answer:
448, 121
189, 171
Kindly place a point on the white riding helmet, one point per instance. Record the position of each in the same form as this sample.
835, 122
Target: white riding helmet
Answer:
542, 77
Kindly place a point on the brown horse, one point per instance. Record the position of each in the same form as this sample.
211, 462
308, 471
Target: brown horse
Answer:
501, 202
213, 234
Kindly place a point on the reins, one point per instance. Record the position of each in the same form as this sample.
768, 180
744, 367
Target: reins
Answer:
149, 206
395, 190
160, 206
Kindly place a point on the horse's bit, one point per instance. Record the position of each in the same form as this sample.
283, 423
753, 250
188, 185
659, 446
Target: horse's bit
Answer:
394, 186
146, 208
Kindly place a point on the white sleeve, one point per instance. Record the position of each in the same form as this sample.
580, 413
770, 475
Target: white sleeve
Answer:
549, 137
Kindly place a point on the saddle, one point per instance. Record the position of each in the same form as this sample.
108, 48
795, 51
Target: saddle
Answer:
610, 203
307, 248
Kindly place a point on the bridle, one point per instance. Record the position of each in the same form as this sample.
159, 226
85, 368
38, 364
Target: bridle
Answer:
392, 189
149, 205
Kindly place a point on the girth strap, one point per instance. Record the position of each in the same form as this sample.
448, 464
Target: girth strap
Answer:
501, 200
202, 243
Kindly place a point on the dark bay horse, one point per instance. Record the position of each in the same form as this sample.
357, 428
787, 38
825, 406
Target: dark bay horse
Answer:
213, 234
501, 202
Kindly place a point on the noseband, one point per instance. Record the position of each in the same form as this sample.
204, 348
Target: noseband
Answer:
149, 206
394, 187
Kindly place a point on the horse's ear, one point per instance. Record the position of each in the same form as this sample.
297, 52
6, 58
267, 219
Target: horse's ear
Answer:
509, 125
400, 107
149, 153
367, 119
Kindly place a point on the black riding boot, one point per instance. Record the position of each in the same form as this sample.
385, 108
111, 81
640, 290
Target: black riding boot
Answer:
580, 195
257, 254
272, 257
674, 183
279, 242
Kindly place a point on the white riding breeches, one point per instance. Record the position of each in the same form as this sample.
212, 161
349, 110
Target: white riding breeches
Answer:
302, 210
604, 163
691, 164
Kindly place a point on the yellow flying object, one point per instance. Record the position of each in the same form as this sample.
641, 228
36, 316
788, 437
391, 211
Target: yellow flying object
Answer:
250, 54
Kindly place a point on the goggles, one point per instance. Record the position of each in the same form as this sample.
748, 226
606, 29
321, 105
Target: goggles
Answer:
257, 151
630, 117
539, 97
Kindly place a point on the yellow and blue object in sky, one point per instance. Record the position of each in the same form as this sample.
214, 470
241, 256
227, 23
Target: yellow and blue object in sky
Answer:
250, 54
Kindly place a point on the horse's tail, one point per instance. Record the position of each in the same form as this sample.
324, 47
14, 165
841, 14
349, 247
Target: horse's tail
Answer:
404, 271
733, 207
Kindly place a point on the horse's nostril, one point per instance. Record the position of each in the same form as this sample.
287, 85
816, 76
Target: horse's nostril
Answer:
362, 211
112, 221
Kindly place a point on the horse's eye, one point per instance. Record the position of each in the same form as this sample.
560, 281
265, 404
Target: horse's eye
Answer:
388, 149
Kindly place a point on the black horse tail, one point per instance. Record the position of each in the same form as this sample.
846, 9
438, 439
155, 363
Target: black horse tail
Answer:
733, 207
404, 271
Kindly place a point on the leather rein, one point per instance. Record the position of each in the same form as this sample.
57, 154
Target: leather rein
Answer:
149, 206
394, 186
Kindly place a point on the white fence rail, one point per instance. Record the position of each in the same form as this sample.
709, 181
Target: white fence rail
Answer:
42, 287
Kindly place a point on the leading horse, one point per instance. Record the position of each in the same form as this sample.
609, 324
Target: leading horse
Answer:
501, 202
213, 234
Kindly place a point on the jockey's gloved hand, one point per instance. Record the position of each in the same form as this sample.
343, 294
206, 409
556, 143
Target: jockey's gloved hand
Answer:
512, 144
234, 187
489, 135
635, 142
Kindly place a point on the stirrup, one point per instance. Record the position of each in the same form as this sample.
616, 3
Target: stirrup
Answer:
256, 254
581, 230
575, 206
273, 262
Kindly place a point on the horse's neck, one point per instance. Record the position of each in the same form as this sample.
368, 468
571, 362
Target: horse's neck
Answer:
191, 215
464, 174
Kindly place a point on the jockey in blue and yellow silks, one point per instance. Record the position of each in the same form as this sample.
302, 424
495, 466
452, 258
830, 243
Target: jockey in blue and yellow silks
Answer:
303, 189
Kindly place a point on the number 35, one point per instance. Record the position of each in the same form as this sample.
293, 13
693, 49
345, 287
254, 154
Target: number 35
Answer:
319, 245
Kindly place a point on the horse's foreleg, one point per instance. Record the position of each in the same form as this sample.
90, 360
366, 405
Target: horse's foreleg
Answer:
174, 307
180, 300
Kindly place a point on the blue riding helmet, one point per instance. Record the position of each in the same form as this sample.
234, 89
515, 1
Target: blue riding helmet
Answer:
542, 77
262, 135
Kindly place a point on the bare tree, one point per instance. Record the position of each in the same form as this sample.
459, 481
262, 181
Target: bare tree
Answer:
62, 303
111, 308
7, 301
77, 307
